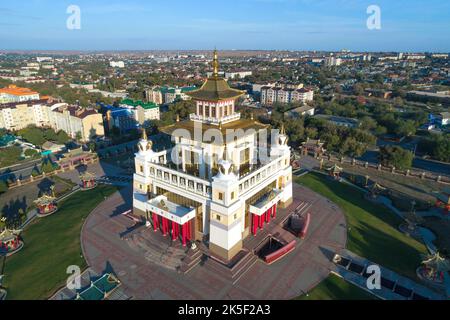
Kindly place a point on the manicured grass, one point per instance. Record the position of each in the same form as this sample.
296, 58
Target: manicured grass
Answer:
51, 245
336, 288
373, 231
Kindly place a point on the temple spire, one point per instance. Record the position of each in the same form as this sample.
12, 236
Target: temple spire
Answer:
215, 64
283, 130
144, 134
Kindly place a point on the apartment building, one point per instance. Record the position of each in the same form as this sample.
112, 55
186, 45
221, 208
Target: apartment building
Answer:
332, 61
154, 95
74, 120
18, 115
271, 95
43, 113
165, 95
172, 94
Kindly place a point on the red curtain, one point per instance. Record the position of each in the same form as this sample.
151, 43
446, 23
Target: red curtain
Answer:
184, 233
254, 224
155, 222
174, 230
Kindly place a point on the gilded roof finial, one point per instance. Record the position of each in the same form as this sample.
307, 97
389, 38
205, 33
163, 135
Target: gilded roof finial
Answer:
144, 134
215, 64
225, 153
283, 130
178, 118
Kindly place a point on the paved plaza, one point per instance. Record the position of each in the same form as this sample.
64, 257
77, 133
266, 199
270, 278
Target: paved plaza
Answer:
106, 245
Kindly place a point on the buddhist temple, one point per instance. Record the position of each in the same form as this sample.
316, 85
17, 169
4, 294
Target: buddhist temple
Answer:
216, 185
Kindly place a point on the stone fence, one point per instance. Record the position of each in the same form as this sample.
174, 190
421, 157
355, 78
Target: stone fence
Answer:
421, 174
31, 179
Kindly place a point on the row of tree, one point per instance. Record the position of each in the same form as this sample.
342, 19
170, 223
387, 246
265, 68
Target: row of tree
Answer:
38, 136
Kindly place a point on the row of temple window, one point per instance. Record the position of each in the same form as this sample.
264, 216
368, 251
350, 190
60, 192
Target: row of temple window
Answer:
259, 176
219, 111
179, 181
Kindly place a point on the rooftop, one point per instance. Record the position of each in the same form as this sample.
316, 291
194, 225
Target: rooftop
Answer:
17, 91
215, 88
244, 124
137, 103
77, 112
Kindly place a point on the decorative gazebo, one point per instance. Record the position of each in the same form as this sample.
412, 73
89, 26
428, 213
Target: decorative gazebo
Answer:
374, 190
10, 242
443, 200
88, 181
335, 171
314, 147
46, 205
434, 268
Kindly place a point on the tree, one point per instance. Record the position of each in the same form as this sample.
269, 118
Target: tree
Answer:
33, 135
92, 146
3, 186
48, 166
405, 128
78, 136
35, 172
30, 153
396, 156
367, 123
62, 137
437, 146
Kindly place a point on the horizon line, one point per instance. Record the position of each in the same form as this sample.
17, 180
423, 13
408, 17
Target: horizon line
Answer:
211, 50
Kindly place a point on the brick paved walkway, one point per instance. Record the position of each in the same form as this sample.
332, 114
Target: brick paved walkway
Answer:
298, 272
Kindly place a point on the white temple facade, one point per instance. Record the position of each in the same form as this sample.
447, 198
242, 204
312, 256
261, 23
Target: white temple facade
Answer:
221, 182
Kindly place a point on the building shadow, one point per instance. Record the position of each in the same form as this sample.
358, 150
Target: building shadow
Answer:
329, 254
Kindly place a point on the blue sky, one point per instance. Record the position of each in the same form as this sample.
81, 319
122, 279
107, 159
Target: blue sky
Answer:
406, 25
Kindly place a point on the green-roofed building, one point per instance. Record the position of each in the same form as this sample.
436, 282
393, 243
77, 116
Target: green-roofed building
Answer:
143, 111
99, 289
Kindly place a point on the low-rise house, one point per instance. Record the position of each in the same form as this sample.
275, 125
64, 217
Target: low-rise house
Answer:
301, 111
340, 121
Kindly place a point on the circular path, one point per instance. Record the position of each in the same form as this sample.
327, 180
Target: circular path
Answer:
295, 274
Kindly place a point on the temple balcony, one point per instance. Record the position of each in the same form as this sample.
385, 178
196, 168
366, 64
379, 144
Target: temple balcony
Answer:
164, 208
170, 176
266, 202
260, 173
215, 120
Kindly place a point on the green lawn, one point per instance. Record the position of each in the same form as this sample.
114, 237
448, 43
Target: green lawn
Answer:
336, 288
373, 231
51, 245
